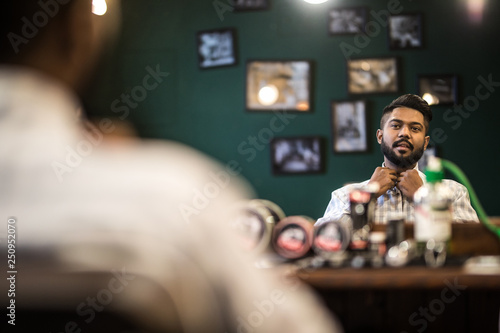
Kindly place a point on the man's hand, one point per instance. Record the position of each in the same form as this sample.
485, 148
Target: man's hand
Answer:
386, 179
409, 182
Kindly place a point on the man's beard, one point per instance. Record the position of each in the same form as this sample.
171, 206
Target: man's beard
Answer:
401, 161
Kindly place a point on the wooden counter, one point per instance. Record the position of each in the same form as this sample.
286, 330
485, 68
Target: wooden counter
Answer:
417, 277
452, 298
467, 238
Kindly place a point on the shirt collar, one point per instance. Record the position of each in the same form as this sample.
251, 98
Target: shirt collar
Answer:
420, 173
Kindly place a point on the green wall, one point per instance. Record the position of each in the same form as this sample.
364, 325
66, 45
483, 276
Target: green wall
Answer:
205, 108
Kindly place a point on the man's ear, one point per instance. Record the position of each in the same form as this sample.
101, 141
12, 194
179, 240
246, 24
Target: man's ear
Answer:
380, 133
426, 141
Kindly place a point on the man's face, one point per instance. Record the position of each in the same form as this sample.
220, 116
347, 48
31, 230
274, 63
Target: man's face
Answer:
403, 138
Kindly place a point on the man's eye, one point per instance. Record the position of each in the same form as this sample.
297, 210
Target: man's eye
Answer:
395, 126
416, 129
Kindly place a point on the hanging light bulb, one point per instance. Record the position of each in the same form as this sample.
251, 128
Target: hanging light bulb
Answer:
99, 7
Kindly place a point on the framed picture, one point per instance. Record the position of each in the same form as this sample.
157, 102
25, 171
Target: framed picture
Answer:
296, 155
216, 48
405, 31
438, 89
349, 126
278, 85
345, 21
246, 5
372, 75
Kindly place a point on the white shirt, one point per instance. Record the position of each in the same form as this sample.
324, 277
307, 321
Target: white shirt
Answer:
157, 209
393, 201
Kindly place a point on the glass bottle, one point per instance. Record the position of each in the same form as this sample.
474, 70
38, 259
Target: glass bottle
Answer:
433, 216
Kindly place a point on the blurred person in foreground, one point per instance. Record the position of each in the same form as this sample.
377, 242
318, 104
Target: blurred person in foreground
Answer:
403, 139
142, 211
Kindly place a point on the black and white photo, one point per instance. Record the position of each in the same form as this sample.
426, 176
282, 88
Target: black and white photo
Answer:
438, 89
372, 75
296, 155
349, 126
344, 21
278, 85
405, 31
216, 48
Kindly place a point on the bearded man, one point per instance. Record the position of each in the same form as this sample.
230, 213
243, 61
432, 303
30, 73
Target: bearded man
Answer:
403, 139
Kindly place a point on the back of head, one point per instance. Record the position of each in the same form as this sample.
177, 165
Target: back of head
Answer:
412, 102
61, 38
22, 22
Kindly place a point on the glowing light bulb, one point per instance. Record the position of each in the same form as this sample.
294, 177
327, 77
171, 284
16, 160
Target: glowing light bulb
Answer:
268, 95
99, 7
430, 99
302, 106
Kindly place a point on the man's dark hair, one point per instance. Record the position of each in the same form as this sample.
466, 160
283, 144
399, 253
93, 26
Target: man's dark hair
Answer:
21, 23
412, 102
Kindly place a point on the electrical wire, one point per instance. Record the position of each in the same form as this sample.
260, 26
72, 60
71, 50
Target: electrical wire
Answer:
462, 178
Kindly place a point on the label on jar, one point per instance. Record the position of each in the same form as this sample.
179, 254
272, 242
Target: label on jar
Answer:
432, 224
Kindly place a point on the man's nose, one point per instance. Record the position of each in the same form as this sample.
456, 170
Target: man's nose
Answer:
404, 132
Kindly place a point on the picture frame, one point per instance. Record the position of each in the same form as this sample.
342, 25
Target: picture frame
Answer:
349, 126
438, 89
372, 75
273, 85
297, 155
216, 48
347, 20
249, 5
405, 31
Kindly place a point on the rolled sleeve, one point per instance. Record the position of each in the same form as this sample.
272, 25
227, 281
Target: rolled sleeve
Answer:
338, 206
462, 208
